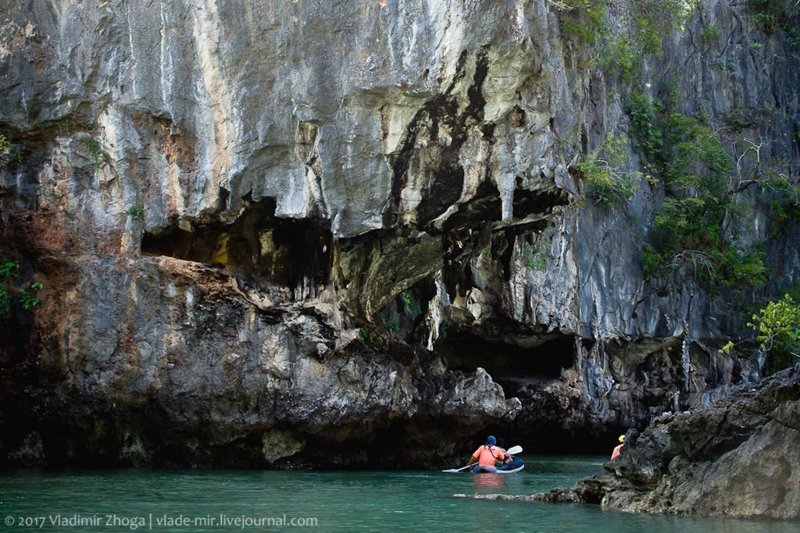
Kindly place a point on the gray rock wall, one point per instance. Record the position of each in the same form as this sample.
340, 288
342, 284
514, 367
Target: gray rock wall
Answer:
355, 178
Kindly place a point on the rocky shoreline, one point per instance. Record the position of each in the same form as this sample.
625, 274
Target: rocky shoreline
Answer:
738, 458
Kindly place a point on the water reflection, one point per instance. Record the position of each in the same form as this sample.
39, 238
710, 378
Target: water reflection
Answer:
487, 482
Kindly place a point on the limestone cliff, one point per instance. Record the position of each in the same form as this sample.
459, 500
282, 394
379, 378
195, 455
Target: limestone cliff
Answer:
269, 230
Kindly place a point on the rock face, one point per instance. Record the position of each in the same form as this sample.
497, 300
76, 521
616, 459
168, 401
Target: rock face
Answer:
738, 458
267, 230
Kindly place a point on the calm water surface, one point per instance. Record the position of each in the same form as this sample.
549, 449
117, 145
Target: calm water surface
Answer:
214, 500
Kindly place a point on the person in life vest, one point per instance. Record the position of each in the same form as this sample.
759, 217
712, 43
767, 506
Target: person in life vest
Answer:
618, 448
501, 445
487, 455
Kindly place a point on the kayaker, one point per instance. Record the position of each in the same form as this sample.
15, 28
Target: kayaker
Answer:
618, 448
501, 445
486, 456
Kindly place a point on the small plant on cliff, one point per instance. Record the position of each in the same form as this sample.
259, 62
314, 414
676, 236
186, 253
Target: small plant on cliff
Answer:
135, 212
652, 20
535, 255
96, 153
28, 298
371, 337
7, 153
784, 197
778, 327
582, 20
605, 176
9, 270
711, 34
411, 303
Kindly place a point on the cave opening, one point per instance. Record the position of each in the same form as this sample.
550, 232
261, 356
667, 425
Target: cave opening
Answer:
286, 252
512, 365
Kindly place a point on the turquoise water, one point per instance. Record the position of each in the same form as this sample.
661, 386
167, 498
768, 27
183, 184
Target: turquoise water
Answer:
218, 500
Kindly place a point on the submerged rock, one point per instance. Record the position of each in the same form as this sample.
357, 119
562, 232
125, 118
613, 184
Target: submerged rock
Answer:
738, 458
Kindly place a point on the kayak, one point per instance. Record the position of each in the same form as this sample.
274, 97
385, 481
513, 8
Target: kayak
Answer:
514, 466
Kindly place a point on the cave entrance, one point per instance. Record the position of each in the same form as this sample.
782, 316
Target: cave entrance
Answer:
511, 365
287, 252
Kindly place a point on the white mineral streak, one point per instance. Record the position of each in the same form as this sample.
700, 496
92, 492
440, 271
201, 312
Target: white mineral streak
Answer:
220, 115
435, 309
448, 24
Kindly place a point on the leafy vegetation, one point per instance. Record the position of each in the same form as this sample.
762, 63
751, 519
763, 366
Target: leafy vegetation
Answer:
7, 153
412, 305
535, 255
135, 212
620, 59
372, 337
583, 20
652, 20
682, 151
606, 177
778, 328
27, 296
96, 153
777, 15
586, 21
687, 233
711, 34
784, 201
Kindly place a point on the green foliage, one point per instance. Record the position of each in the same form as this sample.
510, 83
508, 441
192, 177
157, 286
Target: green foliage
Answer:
621, 60
372, 337
587, 22
687, 232
698, 161
652, 20
583, 20
778, 327
777, 15
135, 212
647, 135
9, 270
7, 153
411, 303
737, 121
535, 256
28, 298
606, 177
605, 185
711, 34
784, 197
96, 153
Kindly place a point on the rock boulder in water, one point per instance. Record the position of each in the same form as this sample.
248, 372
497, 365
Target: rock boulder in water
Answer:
738, 458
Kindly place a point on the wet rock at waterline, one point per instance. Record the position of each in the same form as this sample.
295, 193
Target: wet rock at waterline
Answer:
738, 458
235, 381
277, 234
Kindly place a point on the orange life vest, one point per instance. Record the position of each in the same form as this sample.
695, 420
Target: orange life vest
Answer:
487, 455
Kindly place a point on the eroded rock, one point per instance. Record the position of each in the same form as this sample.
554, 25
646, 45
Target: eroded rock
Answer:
735, 459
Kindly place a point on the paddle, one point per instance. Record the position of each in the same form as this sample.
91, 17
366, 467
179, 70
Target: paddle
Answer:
514, 450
